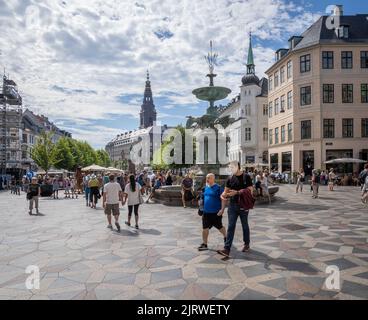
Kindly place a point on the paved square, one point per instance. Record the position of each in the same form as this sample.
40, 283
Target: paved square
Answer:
292, 243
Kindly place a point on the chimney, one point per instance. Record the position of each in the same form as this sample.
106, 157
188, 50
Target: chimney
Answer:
338, 10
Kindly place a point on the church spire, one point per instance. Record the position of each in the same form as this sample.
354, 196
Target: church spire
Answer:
250, 61
148, 111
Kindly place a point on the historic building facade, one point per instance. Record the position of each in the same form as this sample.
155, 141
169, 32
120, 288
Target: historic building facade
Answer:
318, 96
249, 132
119, 148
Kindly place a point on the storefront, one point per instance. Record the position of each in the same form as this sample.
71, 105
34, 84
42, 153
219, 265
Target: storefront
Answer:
274, 161
308, 162
286, 158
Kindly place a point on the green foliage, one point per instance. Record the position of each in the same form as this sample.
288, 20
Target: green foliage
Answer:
103, 158
44, 152
67, 154
64, 155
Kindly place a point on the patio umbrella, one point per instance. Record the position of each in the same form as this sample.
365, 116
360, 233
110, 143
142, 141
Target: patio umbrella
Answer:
112, 169
249, 165
345, 160
94, 167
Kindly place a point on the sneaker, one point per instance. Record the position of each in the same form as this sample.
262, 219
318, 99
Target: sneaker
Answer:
127, 223
109, 226
224, 252
117, 226
202, 247
30, 213
246, 248
136, 226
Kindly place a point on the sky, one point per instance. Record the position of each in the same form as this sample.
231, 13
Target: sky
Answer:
83, 63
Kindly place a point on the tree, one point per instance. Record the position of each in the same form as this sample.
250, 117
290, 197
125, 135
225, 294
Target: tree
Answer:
43, 153
64, 155
103, 158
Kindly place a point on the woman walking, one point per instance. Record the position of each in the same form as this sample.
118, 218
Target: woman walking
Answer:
300, 180
133, 193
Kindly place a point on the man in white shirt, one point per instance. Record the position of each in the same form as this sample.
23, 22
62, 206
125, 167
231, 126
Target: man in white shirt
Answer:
112, 194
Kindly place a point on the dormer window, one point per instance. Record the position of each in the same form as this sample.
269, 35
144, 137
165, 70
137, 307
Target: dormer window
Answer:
342, 32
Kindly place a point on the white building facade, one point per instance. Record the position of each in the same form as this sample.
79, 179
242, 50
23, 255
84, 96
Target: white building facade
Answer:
249, 133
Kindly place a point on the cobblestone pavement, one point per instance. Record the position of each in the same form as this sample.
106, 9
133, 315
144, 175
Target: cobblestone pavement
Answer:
293, 241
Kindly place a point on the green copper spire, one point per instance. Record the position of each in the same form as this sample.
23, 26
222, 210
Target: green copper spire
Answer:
250, 62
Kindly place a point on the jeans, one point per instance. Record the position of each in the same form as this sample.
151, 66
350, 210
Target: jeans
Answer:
87, 194
234, 211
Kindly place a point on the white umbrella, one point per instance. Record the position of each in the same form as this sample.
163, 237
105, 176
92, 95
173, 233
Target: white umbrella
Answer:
345, 160
112, 169
94, 167
249, 165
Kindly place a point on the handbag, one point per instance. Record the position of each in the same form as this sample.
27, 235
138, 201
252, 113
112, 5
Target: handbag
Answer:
29, 195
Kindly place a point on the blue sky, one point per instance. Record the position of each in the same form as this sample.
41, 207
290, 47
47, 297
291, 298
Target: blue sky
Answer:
83, 63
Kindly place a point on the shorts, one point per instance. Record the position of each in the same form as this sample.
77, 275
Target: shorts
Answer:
114, 208
211, 220
188, 195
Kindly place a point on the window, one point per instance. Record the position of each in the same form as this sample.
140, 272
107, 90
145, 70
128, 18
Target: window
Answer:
305, 64
290, 131
305, 96
346, 59
270, 136
347, 128
270, 110
327, 60
265, 110
306, 129
364, 59
365, 128
347, 93
364, 92
343, 32
270, 84
282, 103
277, 106
282, 134
328, 93
247, 110
328, 128
282, 75
276, 135
289, 99
289, 70
265, 134
248, 134
276, 78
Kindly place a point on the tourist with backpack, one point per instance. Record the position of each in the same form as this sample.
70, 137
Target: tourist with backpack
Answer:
239, 181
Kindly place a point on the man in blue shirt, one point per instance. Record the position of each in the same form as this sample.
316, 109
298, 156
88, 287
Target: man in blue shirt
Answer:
213, 209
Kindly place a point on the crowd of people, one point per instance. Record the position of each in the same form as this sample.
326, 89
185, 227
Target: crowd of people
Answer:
237, 193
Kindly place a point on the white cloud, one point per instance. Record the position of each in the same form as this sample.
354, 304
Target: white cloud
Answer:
106, 46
